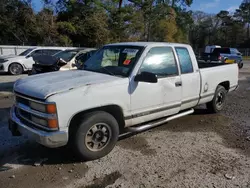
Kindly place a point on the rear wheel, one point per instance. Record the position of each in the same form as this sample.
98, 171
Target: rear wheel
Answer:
240, 65
95, 136
218, 102
15, 69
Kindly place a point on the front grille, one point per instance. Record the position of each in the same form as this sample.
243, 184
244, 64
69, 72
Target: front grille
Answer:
22, 100
27, 123
24, 114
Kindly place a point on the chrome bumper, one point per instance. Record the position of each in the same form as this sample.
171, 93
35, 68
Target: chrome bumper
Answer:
48, 139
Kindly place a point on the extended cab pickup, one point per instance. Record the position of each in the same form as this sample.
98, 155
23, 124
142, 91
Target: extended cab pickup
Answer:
123, 88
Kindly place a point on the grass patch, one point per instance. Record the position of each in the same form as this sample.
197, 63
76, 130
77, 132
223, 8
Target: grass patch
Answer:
246, 57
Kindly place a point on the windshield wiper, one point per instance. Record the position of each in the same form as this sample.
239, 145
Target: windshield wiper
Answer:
101, 71
108, 71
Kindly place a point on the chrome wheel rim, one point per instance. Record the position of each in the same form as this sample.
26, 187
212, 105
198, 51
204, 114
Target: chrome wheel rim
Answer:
16, 69
98, 137
220, 99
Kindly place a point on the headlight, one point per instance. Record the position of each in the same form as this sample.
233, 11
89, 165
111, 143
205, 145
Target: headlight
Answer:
37, 106
45, 108
39, 121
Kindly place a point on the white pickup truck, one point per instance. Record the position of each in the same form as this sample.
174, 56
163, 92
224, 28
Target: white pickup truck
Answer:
123, 87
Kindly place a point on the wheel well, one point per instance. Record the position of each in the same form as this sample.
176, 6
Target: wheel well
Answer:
16, 63
114, 110
225, 84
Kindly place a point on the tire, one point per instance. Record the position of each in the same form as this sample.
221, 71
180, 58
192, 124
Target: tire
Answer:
95, 136
240, 65
15, 69
218, 102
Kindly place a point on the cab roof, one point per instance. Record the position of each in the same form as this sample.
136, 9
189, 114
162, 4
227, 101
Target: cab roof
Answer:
145, 44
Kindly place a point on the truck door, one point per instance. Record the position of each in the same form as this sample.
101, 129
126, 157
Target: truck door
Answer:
190, 77
154, 100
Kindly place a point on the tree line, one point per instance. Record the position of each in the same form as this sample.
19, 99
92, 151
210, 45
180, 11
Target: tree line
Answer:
93, 23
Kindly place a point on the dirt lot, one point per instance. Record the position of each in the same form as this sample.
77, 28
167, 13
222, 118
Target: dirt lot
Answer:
200, 150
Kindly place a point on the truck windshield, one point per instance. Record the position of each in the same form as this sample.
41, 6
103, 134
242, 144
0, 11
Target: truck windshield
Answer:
114, 60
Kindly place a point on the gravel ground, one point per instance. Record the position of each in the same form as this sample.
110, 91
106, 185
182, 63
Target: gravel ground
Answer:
200, 150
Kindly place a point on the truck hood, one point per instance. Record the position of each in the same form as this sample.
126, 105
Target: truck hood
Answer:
44, 85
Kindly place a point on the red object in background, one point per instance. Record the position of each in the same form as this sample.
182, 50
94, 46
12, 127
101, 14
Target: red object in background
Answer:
127, 62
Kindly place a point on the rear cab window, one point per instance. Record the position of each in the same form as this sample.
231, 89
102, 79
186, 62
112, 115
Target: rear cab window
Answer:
224, 50
185, 61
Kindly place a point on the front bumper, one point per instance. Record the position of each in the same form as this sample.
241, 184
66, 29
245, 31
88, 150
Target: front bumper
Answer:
48, 139
237, 87
3, 68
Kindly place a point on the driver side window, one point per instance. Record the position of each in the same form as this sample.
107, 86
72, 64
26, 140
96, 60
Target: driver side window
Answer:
36, 53
160, 61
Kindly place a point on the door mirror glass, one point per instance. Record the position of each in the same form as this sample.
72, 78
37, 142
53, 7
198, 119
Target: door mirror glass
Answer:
146, 77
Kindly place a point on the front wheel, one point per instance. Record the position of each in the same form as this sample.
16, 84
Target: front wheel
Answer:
15, 69
218, 102
240, 65
95, 136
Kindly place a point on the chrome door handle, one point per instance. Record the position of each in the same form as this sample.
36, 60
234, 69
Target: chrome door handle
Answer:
178, 84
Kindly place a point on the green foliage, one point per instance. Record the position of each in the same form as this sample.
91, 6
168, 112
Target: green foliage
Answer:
64, 40
93, 22
96, 22
66, 28
223, 29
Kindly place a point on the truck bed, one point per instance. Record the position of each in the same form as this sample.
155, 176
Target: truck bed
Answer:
203, 65
212, 74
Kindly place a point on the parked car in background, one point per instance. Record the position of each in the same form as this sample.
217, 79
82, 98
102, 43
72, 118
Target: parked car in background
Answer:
210, 49
123, 87
223, 55
23, 62
64, 60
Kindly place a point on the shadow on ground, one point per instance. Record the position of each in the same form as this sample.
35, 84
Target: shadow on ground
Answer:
6, 86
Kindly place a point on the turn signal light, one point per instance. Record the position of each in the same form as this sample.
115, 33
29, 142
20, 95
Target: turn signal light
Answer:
51, 108
52, 123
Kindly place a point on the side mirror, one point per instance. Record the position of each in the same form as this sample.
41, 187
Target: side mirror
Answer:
146, 77
28, 56
73, 65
